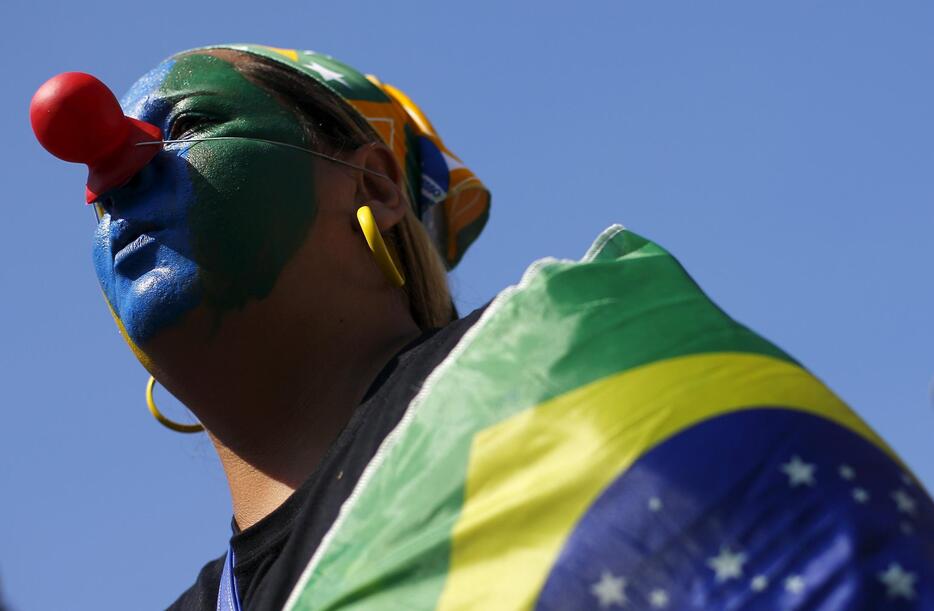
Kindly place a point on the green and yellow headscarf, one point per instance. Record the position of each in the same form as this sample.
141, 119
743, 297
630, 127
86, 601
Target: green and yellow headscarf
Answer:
449, 199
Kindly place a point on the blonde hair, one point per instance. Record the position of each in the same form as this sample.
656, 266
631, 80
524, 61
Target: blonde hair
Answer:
426, 278
333, 125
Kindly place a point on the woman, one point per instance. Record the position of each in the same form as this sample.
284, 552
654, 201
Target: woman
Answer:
601, 435
240, 275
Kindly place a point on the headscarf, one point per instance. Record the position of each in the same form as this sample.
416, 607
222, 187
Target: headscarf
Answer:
447, 197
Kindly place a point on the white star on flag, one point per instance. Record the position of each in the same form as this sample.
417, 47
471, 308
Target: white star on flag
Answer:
899, 583
326, 73
860, 495
655, 504
846, 471
658, 599
727, 565
794, 584
905, 503
759, 583
610, 590
799, 472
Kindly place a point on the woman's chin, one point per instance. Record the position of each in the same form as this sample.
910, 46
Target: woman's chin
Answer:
155, 301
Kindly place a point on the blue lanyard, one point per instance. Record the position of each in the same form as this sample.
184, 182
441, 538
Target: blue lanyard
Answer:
228, 598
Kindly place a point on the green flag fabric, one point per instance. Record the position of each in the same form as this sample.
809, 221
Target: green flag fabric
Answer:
606, 436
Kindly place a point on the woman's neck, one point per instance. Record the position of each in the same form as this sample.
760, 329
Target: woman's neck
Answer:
273, 414
296, 429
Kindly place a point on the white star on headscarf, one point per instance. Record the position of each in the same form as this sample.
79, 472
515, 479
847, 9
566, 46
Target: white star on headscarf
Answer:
326, 73
899, 583
727, 565
610, 590
799, 472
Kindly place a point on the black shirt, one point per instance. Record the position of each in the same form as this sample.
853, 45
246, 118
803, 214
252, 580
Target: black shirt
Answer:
272, 553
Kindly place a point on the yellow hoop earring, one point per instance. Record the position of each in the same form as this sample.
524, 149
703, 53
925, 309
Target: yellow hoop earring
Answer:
169, 424
378, 247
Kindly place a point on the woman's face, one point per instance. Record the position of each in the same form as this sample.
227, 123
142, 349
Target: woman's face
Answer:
208, 223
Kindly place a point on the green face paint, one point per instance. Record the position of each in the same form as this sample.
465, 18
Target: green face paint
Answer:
252, 203
211, 222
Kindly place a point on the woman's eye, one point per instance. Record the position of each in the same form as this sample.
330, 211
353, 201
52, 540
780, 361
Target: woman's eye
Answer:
185, 124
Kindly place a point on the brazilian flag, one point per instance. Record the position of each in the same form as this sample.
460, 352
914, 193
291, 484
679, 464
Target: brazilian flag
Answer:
605, 437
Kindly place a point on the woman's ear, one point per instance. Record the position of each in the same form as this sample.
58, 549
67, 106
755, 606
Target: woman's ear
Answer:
381, 186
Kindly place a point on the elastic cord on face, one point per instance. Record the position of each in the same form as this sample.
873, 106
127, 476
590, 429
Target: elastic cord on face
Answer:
263, 140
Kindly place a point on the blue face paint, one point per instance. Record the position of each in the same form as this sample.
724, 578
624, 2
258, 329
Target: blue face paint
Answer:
142, 248
210, 224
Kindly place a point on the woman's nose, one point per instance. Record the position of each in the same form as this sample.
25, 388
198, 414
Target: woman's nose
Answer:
132, 197
77, 118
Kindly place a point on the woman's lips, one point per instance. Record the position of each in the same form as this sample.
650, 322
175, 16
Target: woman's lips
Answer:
123, 231
129, 238
123, 256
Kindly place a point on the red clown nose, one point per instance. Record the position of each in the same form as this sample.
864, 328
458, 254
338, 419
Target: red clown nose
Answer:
77, 118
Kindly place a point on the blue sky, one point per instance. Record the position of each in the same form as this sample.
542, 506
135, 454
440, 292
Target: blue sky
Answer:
782, 150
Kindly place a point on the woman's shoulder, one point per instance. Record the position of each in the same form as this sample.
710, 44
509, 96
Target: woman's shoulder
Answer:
603, 424
315, 505
203, 593
416, 361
